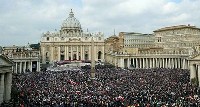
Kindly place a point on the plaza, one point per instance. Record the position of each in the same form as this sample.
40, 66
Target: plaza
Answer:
158, 69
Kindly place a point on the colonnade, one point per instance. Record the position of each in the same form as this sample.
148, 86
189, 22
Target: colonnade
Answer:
71, 52
24, 66
153, 63
78, 50
5, 86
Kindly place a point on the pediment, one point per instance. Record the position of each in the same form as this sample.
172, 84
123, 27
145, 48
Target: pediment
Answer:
4, 61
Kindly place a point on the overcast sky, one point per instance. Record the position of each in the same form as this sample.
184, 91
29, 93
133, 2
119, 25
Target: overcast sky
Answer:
24, 21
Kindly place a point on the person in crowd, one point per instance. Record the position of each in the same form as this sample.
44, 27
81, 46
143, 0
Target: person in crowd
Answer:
112, 87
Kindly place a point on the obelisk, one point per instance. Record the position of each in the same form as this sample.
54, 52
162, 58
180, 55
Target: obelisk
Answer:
92, 73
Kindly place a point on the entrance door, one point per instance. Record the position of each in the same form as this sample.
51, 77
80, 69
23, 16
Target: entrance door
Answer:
74, 57
86, 56
62, 57
99, 55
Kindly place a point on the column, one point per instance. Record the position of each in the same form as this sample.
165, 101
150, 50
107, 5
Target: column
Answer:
65, 52
151, 66
136, 63
122, 63
188, 64
140, 62
183, 67
156, 62
146, 63
128, 60
16, 67
1, 87
38, 66
175, 62
77, 53
161, 65
172, 63
179, 63
153, 62
83, 53
166, 63
163, 62
169, 63
103, 56
51, 54
89, 53
133, 62
71, 53
31, 66
143, 63
24, 66
58, 53
20, 67
192, 71
8, 82
199, 74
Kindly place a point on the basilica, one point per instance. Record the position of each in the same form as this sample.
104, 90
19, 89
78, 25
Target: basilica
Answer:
71, 44
168, 47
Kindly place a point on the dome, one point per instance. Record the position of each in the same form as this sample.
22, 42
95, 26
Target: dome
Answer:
71, 22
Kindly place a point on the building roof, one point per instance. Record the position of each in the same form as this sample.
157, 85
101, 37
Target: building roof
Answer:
176, 27
5, 61
135, 34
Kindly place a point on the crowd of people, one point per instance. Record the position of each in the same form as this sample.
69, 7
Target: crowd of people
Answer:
112, 87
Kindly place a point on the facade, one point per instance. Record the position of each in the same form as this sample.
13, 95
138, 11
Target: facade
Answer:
70, 43
173, 47
25, 58
138, 40
112, 44
5, 78
179, 39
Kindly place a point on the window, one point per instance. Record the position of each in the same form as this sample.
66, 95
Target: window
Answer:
47, 38
159, 39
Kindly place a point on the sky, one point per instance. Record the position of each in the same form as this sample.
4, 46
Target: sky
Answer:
24, 21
